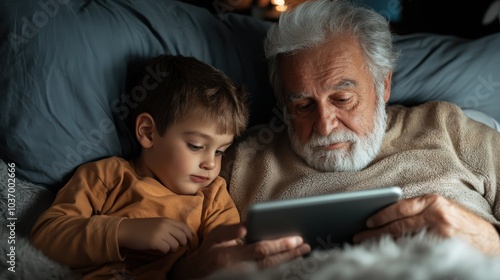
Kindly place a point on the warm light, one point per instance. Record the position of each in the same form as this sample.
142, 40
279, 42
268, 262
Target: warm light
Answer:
281, 8
279, 5
274, 11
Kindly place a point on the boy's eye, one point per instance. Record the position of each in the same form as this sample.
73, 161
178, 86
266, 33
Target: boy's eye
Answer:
194, 147
219, 153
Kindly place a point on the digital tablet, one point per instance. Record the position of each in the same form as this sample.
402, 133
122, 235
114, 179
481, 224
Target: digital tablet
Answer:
325, 221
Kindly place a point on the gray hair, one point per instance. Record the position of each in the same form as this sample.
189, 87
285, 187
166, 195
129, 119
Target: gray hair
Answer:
315, 22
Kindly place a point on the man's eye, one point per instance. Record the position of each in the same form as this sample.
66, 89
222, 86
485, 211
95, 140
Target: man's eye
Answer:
304, 106
303, 109
194, 147
343, 100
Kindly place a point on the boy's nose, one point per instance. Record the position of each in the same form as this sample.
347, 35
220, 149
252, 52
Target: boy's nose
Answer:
208, 163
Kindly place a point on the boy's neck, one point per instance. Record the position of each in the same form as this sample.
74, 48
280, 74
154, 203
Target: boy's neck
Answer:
140, 168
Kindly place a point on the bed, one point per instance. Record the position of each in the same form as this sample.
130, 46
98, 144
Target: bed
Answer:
64, 66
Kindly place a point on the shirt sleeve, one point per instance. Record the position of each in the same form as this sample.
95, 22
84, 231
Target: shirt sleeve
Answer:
220, 208
72, 231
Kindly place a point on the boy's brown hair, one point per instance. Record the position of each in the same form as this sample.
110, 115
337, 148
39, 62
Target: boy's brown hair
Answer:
184, 84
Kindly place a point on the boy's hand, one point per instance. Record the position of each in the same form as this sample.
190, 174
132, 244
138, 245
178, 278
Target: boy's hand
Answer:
220, 250
161, 234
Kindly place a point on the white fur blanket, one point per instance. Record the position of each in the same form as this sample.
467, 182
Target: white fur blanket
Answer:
418, 257
24, 261
421, 257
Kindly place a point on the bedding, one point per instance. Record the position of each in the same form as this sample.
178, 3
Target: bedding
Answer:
56, 54
404, 258
63, 92
419, 257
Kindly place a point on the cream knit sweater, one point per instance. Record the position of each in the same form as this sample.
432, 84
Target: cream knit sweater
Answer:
431, 148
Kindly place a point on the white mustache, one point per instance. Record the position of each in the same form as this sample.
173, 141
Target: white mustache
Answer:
319, 141
362, 151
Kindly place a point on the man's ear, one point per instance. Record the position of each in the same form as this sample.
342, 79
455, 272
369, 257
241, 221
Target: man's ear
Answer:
387, 87
144, 130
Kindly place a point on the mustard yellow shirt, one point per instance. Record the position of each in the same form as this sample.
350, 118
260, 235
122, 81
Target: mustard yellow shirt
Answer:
80, 228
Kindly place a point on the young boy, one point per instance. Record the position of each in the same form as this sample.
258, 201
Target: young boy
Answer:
134, 219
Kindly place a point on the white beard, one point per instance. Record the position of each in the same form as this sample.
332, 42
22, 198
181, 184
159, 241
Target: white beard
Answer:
362, 151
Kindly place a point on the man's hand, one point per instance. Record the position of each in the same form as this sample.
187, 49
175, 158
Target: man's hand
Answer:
220, 250
437, 215
161, 234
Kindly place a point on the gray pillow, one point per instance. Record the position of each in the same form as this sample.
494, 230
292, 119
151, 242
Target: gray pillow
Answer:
482, 118
438, 67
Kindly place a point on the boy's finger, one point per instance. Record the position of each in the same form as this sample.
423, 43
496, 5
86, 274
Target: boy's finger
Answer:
183, 227
226, 233
263, 249
172, 242
180, 235
286, 256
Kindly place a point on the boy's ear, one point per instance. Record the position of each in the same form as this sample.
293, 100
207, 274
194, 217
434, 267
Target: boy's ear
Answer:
144, 130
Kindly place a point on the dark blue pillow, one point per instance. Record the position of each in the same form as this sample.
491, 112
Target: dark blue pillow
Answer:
64, 65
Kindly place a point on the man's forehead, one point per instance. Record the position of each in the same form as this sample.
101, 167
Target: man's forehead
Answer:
341, 85
332, 64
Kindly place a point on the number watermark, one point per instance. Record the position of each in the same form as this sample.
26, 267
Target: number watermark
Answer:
11, 216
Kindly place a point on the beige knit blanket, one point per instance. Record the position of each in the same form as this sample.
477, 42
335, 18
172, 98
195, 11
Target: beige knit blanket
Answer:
431, 148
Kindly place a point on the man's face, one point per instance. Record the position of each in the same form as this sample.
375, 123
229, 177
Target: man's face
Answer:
338, 120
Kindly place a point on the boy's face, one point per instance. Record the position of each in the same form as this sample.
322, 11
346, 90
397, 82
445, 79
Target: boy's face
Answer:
187, 157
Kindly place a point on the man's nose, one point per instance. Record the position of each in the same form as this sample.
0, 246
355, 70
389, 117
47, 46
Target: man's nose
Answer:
326, 119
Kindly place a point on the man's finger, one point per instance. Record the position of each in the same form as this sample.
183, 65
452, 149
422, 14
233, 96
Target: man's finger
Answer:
395, 229
400, 210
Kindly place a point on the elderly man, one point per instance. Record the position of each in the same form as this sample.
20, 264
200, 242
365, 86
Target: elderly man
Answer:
331, 67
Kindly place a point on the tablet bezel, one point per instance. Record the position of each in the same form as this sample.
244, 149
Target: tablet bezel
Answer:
325, 221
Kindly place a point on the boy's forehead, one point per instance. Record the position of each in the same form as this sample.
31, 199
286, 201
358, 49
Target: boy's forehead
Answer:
206, 117
203, 134
203, 127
